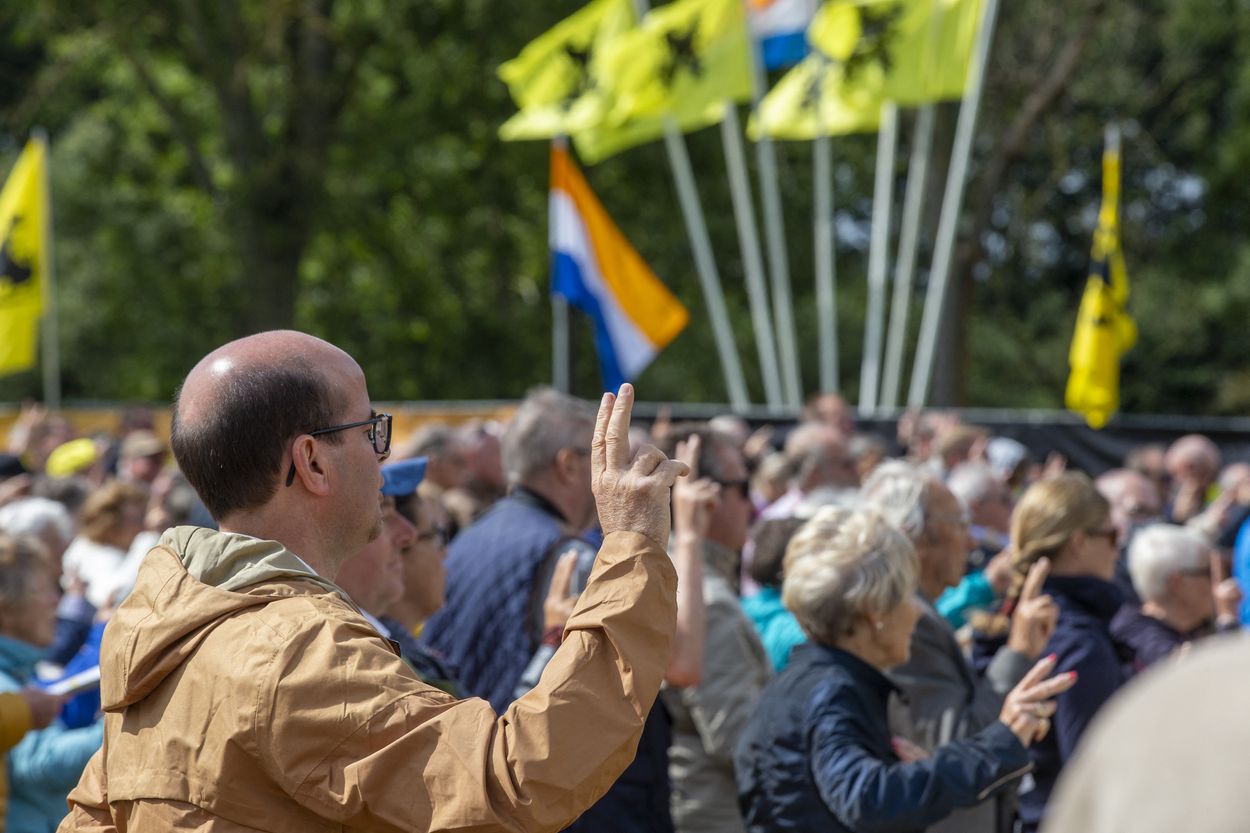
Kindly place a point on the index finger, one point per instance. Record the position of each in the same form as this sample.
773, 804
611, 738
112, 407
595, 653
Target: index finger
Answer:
1035, 579
1217, 568
562, 578
598, 441
688, 453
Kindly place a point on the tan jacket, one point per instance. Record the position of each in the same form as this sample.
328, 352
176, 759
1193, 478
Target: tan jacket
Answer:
15, 722
709, 717
242, 692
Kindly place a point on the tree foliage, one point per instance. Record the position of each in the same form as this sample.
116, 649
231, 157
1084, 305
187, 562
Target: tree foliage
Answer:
220, 168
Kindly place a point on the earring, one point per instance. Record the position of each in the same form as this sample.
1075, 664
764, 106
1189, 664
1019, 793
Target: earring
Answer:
878, 625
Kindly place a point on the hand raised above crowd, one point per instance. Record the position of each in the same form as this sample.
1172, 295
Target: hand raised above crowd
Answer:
1035, 616
1030, 705
694, 497
632, 495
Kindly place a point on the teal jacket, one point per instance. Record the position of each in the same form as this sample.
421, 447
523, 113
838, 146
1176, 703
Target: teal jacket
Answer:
777, 627
46, 765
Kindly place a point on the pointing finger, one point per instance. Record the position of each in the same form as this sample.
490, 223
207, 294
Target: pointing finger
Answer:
1035, 579
598, 442
618, 428
688, 453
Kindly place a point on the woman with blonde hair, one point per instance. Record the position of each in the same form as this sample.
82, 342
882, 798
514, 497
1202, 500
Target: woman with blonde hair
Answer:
1065, 520
818, 754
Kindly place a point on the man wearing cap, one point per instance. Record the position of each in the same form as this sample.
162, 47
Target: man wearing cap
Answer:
242, 689
141, 458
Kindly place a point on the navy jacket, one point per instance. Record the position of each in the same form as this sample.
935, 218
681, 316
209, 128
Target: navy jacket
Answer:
486, 631
817, 755
1147, 639
1082, 640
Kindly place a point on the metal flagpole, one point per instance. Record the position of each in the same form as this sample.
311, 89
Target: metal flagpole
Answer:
560, 356
559, 343
952, 202
705, 263
905, 267
826, 268
775, 234
878, 255
47, 267
752, 260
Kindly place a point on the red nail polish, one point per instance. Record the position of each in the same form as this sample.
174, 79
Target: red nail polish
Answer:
1052, 658
1072, 675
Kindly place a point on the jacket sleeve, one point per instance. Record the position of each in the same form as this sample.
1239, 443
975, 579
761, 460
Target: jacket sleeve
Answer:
1098, 677
735, 669
349, 731
945, 701
871, 795
15, 719
54, 757
89, 803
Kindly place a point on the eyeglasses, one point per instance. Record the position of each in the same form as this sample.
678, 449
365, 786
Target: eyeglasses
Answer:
439, 534
379, 435
741, 487
1110, 534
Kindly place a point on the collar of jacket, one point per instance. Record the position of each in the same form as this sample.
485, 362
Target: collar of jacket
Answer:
230, 561
1097, 597
18, 658
724, 562
531, 498
864, 675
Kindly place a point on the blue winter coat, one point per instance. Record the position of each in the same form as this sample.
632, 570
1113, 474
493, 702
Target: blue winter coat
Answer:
817, 756
46, 765
1082, 642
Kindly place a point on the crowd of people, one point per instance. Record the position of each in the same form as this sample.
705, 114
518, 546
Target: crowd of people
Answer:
848, 631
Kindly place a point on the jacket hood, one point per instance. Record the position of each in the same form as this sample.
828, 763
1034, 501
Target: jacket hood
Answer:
192, 580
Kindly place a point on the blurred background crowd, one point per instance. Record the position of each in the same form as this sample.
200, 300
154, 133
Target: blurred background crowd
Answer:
858, 615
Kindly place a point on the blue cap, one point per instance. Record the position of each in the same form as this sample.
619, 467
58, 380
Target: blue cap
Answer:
403, 477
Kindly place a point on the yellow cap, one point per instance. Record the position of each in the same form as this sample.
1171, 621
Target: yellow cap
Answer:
71, 458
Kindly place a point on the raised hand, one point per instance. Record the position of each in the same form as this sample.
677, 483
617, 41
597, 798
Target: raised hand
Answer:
44, 707
694, 498
631, 495
1030, 705
1035, 615
561, 598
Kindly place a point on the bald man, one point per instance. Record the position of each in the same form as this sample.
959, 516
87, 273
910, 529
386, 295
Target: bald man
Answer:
244, 690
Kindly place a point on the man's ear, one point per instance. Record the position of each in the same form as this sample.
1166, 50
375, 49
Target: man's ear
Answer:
566, 465
309, 465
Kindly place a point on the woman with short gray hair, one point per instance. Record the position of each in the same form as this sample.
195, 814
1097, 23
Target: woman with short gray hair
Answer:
818, 754
1183, 594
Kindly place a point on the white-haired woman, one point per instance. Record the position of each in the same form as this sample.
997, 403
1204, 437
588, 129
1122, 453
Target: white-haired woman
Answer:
818, 754
1177, 577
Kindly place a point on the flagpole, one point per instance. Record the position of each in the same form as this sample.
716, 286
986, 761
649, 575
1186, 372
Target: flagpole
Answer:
878, 255
560, 360
50, 329
952, 202
752, 260
705, 263
826, 267
905, 267
775, 235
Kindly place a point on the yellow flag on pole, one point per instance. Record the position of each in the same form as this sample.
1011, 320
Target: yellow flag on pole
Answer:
811, 100
551, 80
23, 219
1104, 328
685, 60
909, 52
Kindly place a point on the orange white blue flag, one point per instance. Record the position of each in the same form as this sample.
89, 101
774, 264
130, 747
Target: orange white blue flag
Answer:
596, 270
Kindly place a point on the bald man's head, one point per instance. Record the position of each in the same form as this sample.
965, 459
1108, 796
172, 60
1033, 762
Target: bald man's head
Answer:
243, 403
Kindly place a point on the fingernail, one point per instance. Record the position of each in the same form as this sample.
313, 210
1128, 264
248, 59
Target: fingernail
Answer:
1072, 675
607, 397
1052, 657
